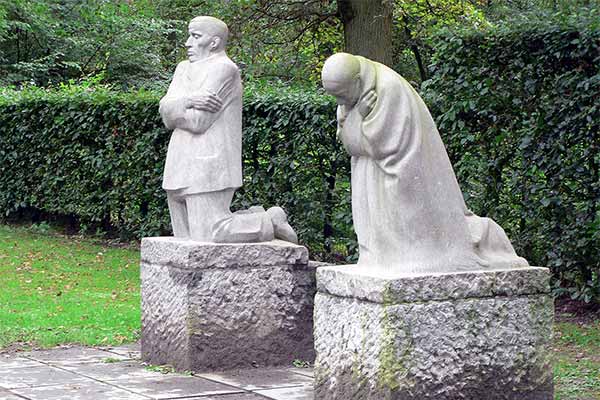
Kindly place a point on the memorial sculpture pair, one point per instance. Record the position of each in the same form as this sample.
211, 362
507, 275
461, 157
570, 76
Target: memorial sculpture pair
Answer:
408, 210
414, 232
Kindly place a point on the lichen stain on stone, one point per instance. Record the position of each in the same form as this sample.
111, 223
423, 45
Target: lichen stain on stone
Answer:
541, 310
394, 356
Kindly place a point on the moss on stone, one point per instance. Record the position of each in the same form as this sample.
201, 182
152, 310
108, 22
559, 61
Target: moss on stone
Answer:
393, 359
388, 295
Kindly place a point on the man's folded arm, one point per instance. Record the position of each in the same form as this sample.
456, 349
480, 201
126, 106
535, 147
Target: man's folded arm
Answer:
221, 84
172, 107
173, 112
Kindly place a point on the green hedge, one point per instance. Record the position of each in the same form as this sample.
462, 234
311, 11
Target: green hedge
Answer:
98, 156
518, 107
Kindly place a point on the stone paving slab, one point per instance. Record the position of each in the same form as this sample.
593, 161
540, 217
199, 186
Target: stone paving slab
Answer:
7, 362
87, 390
116, 373
128, 350
310, 372
111, 371
291, 393
263, 378
43, 375
172, 386
72, 355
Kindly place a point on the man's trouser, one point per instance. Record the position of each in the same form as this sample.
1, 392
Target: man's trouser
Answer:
206, 217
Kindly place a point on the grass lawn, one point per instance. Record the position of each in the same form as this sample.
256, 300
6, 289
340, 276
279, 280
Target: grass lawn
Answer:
56, 290
577, 360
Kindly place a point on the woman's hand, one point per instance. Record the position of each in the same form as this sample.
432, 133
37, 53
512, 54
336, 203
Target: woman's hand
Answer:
367, 103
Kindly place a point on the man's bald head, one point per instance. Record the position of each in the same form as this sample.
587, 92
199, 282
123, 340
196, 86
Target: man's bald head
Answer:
341, 78
213, 26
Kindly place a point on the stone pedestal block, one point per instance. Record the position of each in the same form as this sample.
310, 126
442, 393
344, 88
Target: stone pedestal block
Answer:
208, 306
471, 335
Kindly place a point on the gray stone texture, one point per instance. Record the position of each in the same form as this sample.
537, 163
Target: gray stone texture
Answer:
78, 373
82, 390
359, 282
261, 378
475, 335
208, 306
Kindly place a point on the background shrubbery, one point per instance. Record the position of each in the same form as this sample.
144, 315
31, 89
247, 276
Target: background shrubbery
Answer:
97, 156
519, 110
517, 107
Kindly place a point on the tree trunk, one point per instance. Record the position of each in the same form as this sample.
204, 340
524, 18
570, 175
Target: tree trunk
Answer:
416, 53
368, 28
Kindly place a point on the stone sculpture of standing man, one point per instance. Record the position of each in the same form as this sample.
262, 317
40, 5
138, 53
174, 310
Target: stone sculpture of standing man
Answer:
408, 210
204, 167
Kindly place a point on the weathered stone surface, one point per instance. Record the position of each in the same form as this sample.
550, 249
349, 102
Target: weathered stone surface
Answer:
80, 374
165, 305
487, 340
361, 282
185, 254
218, 306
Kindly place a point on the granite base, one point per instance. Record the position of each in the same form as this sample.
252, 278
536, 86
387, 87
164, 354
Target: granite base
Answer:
208, 306
472, 335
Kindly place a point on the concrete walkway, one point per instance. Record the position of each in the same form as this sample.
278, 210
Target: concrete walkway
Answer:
118, 374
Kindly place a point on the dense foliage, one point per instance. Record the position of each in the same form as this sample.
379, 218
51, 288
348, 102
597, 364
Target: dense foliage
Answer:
46, 42
519, 111
137, 43
98, 156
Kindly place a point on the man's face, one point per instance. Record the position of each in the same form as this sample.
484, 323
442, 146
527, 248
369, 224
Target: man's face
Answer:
345, 93
200, 43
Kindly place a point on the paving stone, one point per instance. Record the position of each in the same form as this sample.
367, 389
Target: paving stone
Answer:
12, 362
239, 396
174, 386
291, 393
76, 373
310, 372
262, 378
72, 355
89, 390
119, 370
37, 376
4, 395
128, 350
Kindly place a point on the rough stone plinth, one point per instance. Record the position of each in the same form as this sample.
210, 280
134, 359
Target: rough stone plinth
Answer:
473, 335
209, 306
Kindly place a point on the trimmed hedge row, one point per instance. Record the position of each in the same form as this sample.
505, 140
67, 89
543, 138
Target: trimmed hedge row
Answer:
519, 110
98, 156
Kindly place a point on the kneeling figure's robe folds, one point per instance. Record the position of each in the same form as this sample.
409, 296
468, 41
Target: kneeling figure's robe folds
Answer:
408, 210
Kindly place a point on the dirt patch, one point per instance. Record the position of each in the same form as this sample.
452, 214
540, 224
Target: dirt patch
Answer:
577, 312
15, 348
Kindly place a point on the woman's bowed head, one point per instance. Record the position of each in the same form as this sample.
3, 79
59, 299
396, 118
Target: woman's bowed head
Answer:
341, 79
